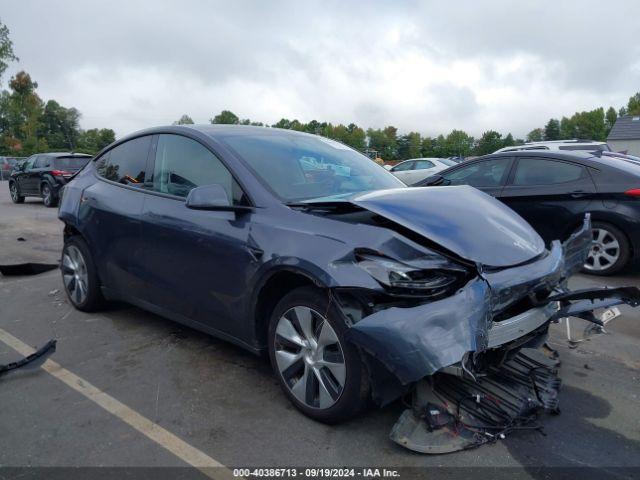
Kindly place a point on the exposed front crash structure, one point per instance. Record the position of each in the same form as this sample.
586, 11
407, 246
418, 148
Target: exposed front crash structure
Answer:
473, 358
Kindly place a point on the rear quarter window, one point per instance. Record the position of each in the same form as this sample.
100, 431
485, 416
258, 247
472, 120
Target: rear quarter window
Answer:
126, 163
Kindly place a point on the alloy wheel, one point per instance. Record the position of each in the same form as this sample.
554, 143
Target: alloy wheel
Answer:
309, 357
74, 274
13, 190
47, 195
605, 250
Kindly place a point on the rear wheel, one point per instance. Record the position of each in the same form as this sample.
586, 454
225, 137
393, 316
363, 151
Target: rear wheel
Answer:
15, 193
48, 197
318, 370
609, 250
79, 276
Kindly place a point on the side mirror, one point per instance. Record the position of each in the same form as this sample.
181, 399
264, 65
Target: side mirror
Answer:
211, 197
388, 167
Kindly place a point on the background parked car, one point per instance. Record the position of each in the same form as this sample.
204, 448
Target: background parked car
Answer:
7, 164
553, 190
417, 169
571, 145
43, 175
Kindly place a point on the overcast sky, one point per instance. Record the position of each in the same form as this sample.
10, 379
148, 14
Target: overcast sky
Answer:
423, 66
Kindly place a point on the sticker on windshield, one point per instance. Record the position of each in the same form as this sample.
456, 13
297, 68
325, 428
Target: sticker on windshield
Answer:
340, 169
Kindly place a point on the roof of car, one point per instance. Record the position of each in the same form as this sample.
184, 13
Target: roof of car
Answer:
561, 154
64, 154
585, 158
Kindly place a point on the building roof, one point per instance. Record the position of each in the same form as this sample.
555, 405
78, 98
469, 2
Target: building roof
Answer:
626, 128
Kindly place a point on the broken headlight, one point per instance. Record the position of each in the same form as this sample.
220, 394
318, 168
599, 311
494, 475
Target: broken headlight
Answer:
402, 277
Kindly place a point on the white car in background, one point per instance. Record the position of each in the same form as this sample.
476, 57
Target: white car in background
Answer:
416, 169
575, 144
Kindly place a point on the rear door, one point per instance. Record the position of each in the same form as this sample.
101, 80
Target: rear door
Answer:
551, 194
32, 176
112, 210
488, 175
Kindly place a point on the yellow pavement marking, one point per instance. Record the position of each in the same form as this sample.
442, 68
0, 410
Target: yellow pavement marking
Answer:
151, 430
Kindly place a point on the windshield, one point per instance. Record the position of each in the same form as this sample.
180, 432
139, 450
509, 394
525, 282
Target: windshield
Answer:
300, 167
70, 163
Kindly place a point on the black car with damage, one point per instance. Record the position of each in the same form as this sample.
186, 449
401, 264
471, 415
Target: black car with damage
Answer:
356, 287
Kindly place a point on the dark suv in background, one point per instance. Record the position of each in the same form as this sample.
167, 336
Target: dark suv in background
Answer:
43, 175
554, 190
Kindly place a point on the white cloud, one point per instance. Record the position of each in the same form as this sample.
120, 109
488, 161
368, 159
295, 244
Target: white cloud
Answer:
419, 66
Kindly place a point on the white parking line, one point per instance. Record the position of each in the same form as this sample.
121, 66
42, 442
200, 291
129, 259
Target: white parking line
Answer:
151, 430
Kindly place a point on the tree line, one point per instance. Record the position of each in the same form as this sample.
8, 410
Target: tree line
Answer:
29, 125
388, 144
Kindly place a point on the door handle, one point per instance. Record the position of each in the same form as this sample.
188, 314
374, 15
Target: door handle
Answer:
578, 194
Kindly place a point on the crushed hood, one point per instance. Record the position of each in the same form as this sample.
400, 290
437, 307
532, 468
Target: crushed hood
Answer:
462, 219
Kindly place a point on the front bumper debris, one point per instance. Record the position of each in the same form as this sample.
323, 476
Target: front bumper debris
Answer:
470, 345
451, 413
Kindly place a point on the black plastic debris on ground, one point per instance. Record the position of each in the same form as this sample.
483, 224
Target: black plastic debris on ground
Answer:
26, 268
35, 360
452, 413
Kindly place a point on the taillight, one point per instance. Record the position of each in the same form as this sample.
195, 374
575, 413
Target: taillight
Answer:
59, 173
634, 192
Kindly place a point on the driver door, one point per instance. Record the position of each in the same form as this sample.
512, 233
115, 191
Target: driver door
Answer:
197, 262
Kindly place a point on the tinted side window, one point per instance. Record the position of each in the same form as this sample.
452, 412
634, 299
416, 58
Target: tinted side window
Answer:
488, 173
126, 163
401, 167
540, 171
422, 164
41, 162
181, 164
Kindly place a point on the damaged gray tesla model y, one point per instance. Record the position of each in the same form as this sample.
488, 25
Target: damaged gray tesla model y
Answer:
358, 288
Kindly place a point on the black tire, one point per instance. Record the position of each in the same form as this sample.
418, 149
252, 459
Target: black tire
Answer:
14, 191
591, 266
49, 198
93, 299
355, 391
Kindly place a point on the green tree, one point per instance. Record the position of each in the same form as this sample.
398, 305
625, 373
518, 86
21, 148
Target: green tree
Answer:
186, 120
552, 130
489, 142
409, 146
633, 106
427, 147
384, 142
610, 118
458, 144
535, 135
226, 117
6, 49
93, 140
20, 116
508, 141
60, 126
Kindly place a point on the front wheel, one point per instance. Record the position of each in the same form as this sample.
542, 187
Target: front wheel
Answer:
15, 193
79, 276
320, 373
609, 251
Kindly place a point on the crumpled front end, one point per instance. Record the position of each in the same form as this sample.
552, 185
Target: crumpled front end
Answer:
470, 340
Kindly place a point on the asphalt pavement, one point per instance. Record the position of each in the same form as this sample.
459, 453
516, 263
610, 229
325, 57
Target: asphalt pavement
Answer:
225, 403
